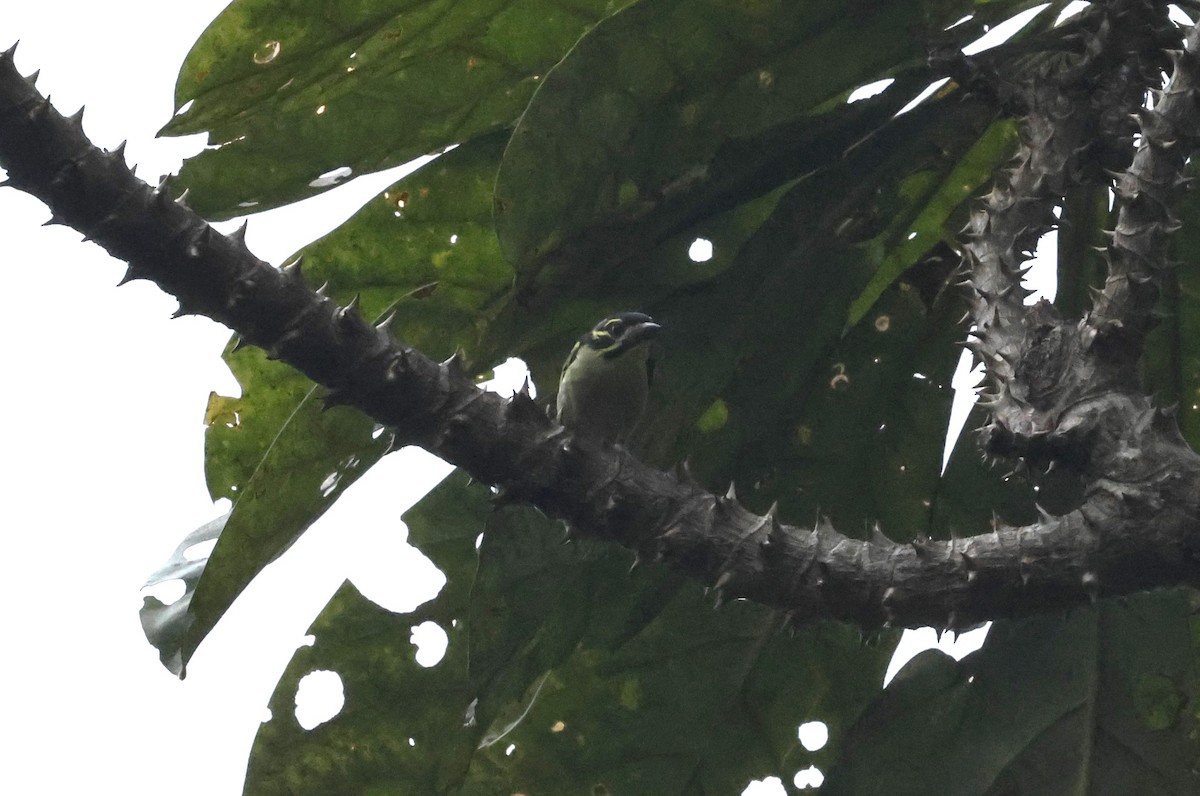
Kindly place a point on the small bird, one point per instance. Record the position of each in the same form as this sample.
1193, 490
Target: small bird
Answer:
605, 380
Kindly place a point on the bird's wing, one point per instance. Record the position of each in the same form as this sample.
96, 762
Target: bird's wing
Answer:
570, 358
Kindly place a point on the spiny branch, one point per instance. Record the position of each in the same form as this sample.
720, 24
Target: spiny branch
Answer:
1145, 539
1071, 101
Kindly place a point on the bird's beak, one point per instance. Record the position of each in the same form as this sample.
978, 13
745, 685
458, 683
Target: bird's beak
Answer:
647, 330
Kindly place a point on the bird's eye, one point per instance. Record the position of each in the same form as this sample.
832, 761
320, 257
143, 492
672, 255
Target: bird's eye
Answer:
612, 326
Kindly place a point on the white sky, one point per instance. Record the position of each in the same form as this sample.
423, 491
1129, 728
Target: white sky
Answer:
103, 401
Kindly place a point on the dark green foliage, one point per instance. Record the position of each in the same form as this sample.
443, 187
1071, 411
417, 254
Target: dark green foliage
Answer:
807, 362
1100, 701
295, 89
629, 682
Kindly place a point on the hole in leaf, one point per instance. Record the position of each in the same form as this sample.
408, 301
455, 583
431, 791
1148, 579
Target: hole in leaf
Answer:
771, 786
869, 90
319, 697
701, 250
810, 777
330, 483
813, 735
430, 641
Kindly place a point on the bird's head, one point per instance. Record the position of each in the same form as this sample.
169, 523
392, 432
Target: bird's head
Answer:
619, 333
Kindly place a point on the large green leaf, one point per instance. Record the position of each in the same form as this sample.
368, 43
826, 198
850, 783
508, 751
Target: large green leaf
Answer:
291, 90
761, 383
908, 238
812, 204
629, 656
672, 107
599, 677
404, 727
1102, 701
424, 248
863, 444
283, 461
275, 452
756, 358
